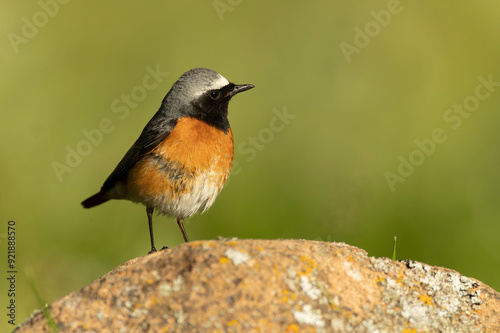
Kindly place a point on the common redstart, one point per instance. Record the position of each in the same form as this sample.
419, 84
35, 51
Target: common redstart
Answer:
183, 157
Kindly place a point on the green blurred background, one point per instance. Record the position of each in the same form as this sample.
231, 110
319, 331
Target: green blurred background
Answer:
320, 176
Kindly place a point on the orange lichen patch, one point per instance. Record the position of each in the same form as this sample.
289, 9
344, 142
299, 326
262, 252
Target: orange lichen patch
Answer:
409, 330
206, 244
310, 265
287, 296
379, 280
231, 242
308, 261
348, 314
262, 323
276, 269
224, 260
306, 271
260, 249
152, 301
292, 328
350, 258
400, 277
285, 293
233, 322
335, 307
426, 299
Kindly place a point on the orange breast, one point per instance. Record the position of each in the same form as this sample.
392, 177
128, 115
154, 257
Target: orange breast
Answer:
186, 171
196, 145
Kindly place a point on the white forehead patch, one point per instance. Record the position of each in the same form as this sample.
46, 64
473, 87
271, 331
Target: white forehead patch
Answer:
219, 83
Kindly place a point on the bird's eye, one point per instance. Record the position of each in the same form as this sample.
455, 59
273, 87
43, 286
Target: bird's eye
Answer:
214, 95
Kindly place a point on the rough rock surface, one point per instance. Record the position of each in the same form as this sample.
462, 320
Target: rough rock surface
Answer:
274, 286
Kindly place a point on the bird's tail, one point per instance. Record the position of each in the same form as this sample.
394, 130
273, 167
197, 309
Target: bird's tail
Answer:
94, 200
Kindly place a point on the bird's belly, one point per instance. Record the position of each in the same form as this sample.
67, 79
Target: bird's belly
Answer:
198, 195
172, 189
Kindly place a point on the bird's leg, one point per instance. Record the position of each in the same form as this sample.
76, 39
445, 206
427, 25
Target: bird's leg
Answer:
181, 225
149, 211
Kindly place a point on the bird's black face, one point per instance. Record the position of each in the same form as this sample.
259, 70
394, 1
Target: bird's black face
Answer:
212, 106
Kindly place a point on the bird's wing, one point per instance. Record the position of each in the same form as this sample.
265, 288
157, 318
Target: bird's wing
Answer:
155, 132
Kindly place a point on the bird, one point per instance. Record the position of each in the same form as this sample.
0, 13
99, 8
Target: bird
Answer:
183, 156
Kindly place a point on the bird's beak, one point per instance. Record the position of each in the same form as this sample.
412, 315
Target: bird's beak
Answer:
239, 88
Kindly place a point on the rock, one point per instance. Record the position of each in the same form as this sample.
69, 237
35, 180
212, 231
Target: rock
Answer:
274, 286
